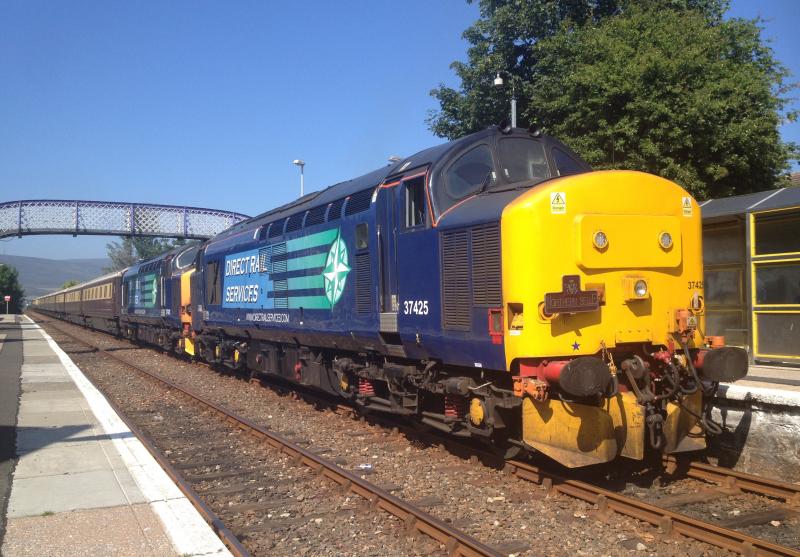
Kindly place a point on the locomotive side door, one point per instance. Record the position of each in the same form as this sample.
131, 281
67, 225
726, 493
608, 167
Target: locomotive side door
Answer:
386, 229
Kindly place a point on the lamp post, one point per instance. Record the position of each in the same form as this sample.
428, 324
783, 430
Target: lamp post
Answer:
301, 164
498, 82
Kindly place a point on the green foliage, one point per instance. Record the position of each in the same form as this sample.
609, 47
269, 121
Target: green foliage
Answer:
132, 249
9, 286
663, 86
69, 284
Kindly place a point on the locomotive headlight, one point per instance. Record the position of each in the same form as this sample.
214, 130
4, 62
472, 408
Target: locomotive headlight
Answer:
635, 288
665, 240
600, 240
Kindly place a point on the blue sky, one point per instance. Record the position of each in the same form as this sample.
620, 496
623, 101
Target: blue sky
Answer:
207, 103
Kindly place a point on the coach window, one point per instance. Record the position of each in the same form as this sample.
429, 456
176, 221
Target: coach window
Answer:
414, 194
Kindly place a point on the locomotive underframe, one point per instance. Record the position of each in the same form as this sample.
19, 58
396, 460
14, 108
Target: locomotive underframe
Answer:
465, 402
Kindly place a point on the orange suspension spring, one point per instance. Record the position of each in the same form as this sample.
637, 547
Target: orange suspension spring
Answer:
455, 406
365, 387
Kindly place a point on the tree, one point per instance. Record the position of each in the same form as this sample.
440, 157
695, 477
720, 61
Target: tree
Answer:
69, 284
9, 286
132, 249
664, 86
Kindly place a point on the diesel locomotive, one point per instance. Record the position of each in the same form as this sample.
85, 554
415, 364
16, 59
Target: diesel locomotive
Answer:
493, 287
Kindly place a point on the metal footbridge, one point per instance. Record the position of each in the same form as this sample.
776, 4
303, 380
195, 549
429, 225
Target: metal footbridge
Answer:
55, 216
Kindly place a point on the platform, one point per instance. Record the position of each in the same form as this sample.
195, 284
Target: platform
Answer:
77, 481
770, 385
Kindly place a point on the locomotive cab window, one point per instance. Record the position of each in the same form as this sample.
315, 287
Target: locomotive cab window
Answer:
565, 164
469, 174
523, 160
414, 202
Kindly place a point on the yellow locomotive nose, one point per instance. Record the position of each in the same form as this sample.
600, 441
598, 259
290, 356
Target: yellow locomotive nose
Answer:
632, 238
597, 264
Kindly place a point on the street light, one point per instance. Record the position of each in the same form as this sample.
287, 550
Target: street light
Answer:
301, 164
498, 82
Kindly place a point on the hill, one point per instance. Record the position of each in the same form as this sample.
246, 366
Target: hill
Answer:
40, 276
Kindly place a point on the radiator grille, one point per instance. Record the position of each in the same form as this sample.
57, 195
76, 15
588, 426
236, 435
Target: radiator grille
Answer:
359, 202
335, 211
316, 215
455, 281
277, 228
486, 273
364, 302
295, 222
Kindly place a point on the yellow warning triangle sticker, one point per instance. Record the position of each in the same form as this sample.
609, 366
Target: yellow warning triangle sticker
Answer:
558, 202
686, 205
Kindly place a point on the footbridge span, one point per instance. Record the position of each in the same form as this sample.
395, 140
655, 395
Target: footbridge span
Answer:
58, 216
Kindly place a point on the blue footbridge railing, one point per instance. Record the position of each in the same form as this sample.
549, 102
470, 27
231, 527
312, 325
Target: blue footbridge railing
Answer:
59, 216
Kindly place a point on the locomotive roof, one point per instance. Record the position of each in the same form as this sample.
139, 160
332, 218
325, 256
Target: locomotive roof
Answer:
430, 156
152, 262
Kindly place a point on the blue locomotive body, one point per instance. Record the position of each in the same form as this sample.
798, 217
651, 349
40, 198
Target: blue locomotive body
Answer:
359, 267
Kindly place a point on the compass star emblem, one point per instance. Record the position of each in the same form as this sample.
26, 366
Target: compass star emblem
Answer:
336, 269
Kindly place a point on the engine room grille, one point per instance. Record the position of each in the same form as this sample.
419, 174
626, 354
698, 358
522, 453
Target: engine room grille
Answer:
316, 215
277, 228
455, 280
335, 212
359, 202
486, 273
295, 222
364, 302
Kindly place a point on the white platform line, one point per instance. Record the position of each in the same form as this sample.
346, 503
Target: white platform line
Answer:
189, 533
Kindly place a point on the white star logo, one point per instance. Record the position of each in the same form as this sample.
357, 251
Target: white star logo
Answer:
336, 269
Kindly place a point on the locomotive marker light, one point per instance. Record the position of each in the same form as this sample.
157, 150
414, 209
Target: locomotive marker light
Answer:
665, 240
600, 240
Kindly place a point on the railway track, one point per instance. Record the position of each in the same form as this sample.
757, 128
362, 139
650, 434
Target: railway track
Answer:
670, 521
662, 513
413, 518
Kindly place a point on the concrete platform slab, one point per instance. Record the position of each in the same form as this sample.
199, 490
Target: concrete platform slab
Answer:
70, 403
43, 359
67, 459
126, 531
66, 492
33, 438
59, 386
45, 419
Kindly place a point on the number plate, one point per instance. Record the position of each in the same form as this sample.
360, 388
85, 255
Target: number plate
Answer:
571, 299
